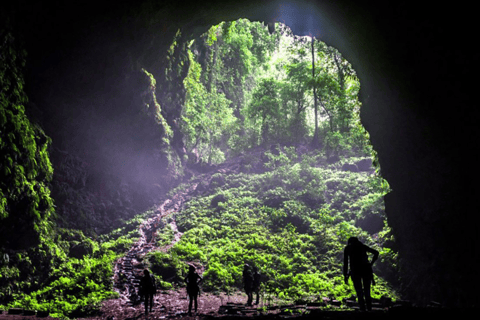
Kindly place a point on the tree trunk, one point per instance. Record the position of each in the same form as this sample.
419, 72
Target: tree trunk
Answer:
341, 81
315, 135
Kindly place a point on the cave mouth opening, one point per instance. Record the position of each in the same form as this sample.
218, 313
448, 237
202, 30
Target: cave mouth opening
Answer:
255, 86
279, 87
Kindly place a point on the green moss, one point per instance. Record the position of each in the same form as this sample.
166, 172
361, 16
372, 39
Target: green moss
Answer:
154, 108
26, 168
74, 286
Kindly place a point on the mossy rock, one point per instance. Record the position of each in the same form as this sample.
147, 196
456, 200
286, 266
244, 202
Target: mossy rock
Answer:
217, 199
164, 265
217, 180
80, 250
365, 164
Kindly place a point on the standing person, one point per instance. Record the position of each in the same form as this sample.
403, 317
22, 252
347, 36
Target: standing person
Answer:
248, 283
192, 280
256, 284
360, 270
147, 289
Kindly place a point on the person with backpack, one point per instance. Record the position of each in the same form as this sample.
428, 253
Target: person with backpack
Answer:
360, 270
256, 284
192, 280
148, 289
248, 283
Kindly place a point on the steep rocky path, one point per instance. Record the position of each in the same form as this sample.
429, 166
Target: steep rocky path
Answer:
129, 269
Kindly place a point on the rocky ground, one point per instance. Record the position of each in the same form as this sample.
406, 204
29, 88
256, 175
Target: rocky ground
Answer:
173, 304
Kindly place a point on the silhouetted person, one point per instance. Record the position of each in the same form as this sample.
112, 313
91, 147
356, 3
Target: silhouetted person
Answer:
360, 270
192, 280
147, 289
248, 283
256, 284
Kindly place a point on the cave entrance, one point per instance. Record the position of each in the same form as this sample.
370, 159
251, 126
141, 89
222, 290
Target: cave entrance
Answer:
253, 84
287, 106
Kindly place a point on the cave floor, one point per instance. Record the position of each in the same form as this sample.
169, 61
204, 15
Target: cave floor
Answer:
112, 310
173, 305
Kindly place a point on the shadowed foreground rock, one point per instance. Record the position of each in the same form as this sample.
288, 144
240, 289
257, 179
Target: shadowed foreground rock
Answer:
249, 313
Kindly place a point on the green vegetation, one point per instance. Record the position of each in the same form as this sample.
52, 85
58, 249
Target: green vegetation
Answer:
246, 87
25, 173
291, 221
290, 212
80, 277
76, 287
28, 240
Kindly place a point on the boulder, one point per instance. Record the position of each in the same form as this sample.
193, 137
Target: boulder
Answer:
218, 198
80, 250
364, 164
333, 159
350, 167
217, 180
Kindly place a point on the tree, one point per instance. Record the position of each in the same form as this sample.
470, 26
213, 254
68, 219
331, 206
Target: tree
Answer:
315, 134
206, 116
225, 63
243, 48
278, 86
265, 107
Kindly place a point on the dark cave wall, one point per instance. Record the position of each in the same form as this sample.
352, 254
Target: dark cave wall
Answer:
420, 117
409, 72
411, 64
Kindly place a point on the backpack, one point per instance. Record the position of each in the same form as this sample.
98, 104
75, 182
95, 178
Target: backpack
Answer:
256, 280
148, 286
153, 285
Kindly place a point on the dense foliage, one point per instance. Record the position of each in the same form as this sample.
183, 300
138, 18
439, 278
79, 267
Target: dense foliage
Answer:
27, 246
25, 201
77, 283
292, 222
248, 87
